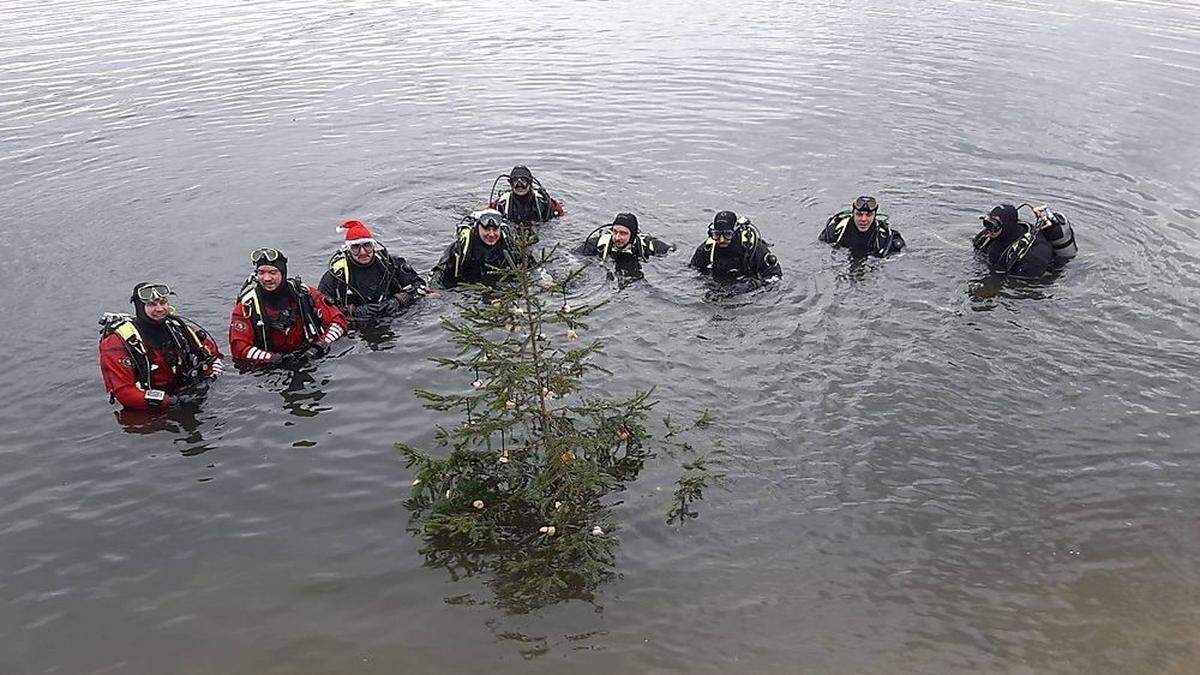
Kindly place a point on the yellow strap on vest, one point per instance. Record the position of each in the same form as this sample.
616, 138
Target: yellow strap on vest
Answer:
882, 229
748, 240
840, 228
250, 297
464, 237
340, 268
130, 336
133, 342
539, 201
1021, 246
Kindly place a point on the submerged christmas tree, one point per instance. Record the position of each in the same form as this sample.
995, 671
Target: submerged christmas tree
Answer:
521, 494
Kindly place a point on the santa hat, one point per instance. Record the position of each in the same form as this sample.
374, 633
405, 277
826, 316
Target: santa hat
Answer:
356, 233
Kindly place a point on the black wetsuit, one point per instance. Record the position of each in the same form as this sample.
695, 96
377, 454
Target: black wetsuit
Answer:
1020, 251
626, 261
880, 240
744, 265
469, 260
373, 287
534, 207
641, 247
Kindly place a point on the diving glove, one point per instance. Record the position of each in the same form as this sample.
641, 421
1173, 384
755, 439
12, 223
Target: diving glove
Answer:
368, 311
316, 350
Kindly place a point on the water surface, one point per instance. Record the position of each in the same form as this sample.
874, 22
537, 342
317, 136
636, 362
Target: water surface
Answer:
929, 471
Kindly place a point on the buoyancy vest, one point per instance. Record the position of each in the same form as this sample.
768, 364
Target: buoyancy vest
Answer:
638, 246
340, 265
541, 204
310, 319
463, 248
1014, 251
881, 241
189, 342
748, 237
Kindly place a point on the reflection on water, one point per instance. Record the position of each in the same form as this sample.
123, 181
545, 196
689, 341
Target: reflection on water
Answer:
908, 493
184, 424
986, 290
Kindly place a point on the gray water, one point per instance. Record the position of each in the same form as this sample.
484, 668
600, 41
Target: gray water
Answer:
929, 471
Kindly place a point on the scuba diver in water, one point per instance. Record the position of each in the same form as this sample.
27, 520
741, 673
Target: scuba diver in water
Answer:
481, 248
620, 242
1012, 246
526, 202
365, 281
871, 235
278, 319
736, 255
155, 359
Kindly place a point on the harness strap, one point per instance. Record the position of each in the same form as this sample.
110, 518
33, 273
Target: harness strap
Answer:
464, 238
249, 298
340, 266
137, 350
748, 238
540, 198
883, 231
1017, 250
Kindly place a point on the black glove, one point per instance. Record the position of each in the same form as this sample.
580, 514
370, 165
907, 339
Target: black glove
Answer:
184, 398
391, 306
316, 350
368, 311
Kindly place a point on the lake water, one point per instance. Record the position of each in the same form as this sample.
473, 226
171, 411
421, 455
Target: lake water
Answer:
929, 470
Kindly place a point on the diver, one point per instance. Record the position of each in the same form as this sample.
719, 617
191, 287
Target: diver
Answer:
365, 281
1012, 246
871, 234
526, 202
481, 248
276, 319
155, 359
736, 255
620, 242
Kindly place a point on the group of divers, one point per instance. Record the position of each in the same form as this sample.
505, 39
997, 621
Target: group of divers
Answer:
156, 359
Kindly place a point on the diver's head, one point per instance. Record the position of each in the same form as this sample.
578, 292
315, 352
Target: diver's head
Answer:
864, 212
360, 243
1000, 220
723, 228
624, 229
488, 226
151, 301
521, 180
270, 267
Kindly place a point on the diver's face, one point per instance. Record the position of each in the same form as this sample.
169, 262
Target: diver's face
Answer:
621, 236
724, 238
268, 277
362, 253
157, 310
992, 227
490, 234
520, 186
863, 220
